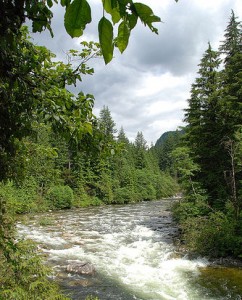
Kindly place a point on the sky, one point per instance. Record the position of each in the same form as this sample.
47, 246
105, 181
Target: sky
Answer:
146, 88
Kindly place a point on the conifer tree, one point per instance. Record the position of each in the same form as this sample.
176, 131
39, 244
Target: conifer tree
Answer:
140, 146
231, 107
106, 124
231, 48
204, 127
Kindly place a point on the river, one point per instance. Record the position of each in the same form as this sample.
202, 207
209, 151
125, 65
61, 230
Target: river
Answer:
131, 247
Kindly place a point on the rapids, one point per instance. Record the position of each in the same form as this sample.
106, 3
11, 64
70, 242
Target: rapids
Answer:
131, 248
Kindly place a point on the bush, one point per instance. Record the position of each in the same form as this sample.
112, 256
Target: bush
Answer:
23, 274
60, 197
124, 195
184, 210
212, 235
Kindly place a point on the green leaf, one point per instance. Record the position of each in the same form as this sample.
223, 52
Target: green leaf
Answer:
65, 2
105, 30
146, 15
132, 21
123, 36
77, 16
49, 3
111, 7
88, 127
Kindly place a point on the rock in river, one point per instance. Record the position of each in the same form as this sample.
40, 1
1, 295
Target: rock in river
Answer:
83, 268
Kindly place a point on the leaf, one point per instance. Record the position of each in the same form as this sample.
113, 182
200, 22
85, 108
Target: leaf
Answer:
88, 127
146, 15
77, 16
105, 30
132, 21
111, 7
65, 2
49, 3
123, 36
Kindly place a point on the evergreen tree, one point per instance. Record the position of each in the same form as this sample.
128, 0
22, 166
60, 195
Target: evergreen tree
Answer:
231, 48
231, 106
106, 124
204, 125
122, 136
140, 146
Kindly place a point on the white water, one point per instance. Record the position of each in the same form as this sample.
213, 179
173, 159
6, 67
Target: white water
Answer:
130, 247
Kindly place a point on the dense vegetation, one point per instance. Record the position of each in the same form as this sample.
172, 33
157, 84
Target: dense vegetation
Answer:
53, 152
111, 170
209, 160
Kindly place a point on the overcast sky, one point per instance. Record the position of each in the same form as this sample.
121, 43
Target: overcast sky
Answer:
147, 87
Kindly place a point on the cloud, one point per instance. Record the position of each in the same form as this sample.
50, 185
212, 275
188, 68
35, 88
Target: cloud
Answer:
147, 87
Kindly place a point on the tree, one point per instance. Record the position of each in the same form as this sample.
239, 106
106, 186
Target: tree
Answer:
186, 170
35, 91
106, 124
231, 49
164, 146
213, 166
204, 125
231, 106
140, 146
121, 138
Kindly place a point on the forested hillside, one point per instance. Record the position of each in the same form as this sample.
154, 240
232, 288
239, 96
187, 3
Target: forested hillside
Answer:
209, 160
111, 169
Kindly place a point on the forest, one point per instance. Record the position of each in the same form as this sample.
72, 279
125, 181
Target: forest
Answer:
55, 154
209, 159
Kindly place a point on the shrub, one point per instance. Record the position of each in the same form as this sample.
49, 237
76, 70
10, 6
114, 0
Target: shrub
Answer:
23, 274
184, 210
124, 195
212, 235
60, 197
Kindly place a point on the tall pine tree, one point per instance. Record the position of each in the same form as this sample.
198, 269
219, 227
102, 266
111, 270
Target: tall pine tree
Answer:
204, 126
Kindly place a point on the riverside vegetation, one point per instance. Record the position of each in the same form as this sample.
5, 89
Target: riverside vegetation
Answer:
209, 160
56, 154
53, 152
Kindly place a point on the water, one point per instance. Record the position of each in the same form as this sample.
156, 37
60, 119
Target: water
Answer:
131, 248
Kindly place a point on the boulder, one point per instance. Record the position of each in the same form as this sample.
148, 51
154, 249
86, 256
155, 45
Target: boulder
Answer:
82, 268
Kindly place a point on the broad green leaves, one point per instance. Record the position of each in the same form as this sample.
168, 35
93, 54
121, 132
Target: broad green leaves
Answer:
111, 8
123, 36
105, 30
123, 12
146, 15
77, 16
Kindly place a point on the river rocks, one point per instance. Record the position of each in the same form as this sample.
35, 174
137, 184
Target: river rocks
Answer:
227, 262
82, 268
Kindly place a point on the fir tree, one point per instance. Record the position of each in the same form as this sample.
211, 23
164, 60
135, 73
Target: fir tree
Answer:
204, 126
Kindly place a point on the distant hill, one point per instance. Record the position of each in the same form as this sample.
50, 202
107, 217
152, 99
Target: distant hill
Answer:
162, 139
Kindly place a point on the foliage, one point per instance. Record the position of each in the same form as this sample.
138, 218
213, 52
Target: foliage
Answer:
208, 162
36, 93
25, 276
164, 146
60, 197
77, 16
184, 210
212, 235
49, 137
